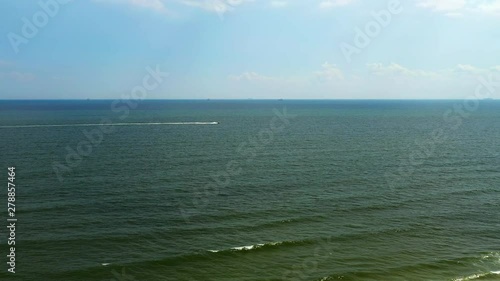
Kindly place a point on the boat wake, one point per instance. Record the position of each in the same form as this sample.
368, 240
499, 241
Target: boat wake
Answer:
112, 124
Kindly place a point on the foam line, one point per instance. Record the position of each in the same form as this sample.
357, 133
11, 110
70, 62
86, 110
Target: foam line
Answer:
112, 124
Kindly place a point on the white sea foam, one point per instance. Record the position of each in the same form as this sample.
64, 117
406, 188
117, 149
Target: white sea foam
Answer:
476, 276
494, 255
247, 248
112, 124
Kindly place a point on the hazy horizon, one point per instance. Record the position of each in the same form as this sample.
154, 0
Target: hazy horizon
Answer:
243, 99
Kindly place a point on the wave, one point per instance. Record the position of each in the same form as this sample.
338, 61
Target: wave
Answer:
112, 124
375, 275
491, 255
478, 276
260, 246
485, 265
200, 255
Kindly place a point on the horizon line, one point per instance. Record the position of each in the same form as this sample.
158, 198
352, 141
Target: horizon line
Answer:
247, 99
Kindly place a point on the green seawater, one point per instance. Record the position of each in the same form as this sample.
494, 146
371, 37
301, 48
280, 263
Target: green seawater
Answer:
278, 190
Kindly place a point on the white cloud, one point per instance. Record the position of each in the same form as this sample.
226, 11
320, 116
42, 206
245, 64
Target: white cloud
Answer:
250, 76
395, 69
467, 68
393, 72
329, 72
450, 8
460, 71
490, 7
457, 8
156, 5
442, 5
391, 80
279, 4
403, 82
218, 6
327, 4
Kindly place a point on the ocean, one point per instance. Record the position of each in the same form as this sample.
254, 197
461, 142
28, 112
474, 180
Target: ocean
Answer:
257, 190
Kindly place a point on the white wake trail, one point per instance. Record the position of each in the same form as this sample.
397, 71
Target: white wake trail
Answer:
112, 124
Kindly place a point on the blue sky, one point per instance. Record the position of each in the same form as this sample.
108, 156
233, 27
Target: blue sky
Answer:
248, 48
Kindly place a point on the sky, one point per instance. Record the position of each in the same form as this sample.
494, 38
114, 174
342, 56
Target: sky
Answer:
239, 49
